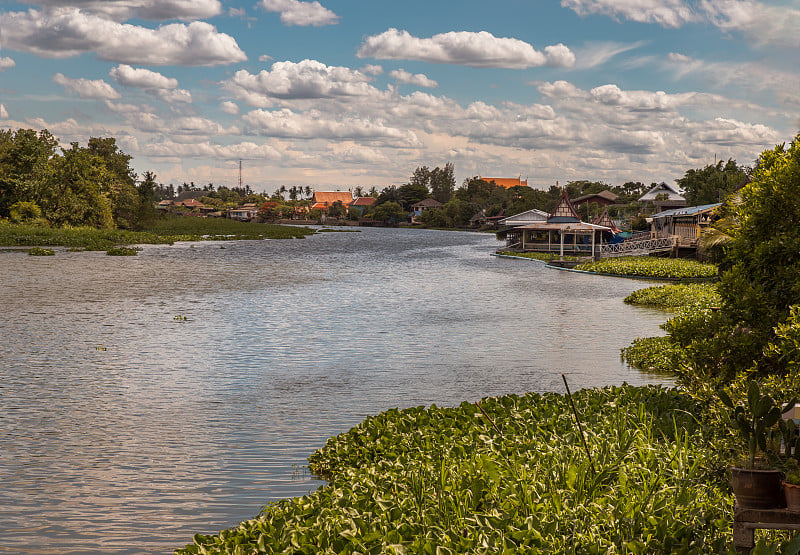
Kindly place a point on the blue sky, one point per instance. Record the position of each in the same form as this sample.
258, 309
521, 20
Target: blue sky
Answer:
339, 93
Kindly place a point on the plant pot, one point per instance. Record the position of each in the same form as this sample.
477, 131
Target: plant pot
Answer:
758, 489
792, 492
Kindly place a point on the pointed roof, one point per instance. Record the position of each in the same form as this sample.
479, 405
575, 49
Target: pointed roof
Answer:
605, 220
524, 218
672, 192
564, 212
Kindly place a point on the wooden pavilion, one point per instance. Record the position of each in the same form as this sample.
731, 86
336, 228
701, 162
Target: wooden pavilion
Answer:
563, 232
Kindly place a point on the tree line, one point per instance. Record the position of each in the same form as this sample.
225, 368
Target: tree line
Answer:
95, 185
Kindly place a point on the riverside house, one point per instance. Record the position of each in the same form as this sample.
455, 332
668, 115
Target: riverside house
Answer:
561, 233
423, 205
686, 223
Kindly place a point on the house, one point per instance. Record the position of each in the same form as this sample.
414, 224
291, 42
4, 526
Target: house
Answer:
323, 200
506, 182
361, 205
192, 204
524, 218
662, 197
423, 205
603, 198
562, 232
482, 220
243, 213
686, 223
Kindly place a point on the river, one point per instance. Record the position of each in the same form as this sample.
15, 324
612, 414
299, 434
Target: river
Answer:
145, 399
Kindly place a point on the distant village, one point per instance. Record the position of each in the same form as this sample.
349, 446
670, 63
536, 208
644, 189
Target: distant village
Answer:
633, 221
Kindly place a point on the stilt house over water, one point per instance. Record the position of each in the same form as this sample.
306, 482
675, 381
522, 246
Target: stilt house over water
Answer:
562, 232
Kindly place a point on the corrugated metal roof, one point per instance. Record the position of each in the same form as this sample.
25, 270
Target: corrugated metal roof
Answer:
686, 210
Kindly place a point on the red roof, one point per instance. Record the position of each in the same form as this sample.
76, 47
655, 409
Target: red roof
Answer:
364, 201
507, 182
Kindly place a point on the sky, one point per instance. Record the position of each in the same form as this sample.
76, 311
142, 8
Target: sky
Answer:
335, 94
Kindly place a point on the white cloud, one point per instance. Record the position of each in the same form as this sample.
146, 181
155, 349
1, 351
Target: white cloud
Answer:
480, 49
246, 150
730, 132
6, 63
141, 78
67, 32
313, 125
174, 96
265, 58
372, 69
3, 112
597, 53
749, 76
418, 79
86, 88
669, 13
294, 12
121, 10
762, 23
229, 107
303, 80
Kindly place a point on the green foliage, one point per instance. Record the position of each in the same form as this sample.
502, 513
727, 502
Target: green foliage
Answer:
123, 251
674, 296
389, 212
443, 480
712, 183
763, 281
38, 251
21, 212
754, 419
651, 267
654, 354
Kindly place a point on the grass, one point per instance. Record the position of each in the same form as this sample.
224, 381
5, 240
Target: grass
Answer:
165, 230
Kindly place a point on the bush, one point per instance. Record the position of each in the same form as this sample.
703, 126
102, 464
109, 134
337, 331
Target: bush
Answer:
21, 212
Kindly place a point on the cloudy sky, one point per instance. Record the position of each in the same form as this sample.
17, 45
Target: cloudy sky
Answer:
338, 93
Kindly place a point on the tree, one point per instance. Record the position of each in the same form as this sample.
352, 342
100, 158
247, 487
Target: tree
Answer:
760, 283
443, 182
337, 210
24, 157
77, 190
712, 183
390, 212
412, 193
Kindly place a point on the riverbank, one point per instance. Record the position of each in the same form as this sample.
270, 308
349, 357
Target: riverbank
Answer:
164, 230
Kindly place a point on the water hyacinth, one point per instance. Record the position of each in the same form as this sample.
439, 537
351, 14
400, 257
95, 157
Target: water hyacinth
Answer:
652, 267
675, 296
444, 480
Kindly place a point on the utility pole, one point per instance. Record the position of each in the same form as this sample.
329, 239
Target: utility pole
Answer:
240, 174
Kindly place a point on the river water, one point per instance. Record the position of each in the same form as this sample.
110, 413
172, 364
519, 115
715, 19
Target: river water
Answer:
125, 428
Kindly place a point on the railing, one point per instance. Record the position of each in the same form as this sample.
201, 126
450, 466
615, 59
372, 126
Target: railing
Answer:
637, 248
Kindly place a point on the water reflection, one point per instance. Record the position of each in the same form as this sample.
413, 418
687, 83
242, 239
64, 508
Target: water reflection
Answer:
124, 430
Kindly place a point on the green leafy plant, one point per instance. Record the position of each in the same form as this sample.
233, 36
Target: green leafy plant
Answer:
754, 419
652, 267
123, 251
38, 251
